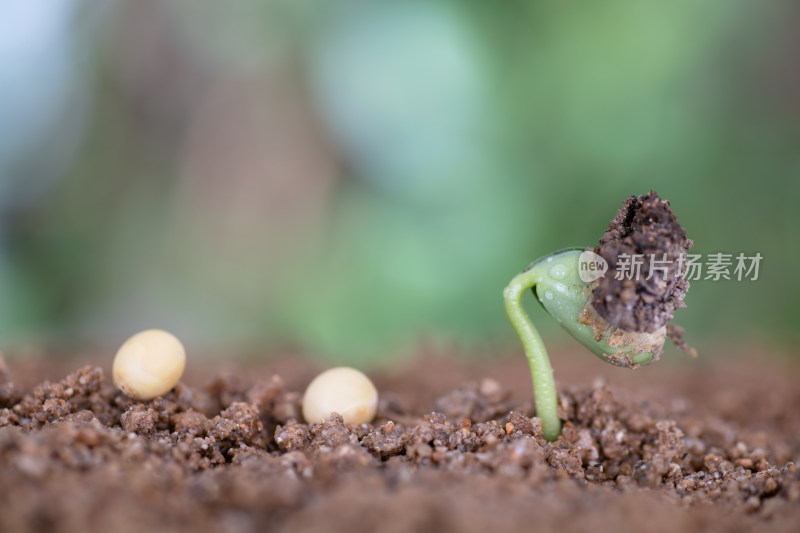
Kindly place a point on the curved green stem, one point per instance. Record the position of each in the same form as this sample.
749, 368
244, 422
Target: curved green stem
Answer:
544, 386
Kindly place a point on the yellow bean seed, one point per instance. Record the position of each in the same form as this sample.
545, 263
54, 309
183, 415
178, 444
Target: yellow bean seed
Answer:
149, 364
340, 390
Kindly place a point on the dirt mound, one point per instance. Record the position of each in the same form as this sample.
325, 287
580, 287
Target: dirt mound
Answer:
77, 455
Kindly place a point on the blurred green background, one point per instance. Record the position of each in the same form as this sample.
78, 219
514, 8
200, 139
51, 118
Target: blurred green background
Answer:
356, 178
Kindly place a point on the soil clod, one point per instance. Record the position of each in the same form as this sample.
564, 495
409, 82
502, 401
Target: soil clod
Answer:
645, 246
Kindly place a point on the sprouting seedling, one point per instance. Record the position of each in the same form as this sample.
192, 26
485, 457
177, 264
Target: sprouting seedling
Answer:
623, 320
556, 281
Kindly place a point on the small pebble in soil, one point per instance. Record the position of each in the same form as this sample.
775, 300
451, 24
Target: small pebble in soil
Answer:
341, 390
149, 364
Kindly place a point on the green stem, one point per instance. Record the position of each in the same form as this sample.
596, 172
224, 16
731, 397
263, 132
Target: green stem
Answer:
544, 386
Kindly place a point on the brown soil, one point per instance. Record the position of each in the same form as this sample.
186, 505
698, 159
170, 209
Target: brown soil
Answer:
646, 227
455, 448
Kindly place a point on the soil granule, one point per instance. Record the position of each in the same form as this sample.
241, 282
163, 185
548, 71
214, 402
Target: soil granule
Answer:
644, 300
706, 450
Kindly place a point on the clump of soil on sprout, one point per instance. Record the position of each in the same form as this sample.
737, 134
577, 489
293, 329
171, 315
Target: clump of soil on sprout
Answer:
645, 228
